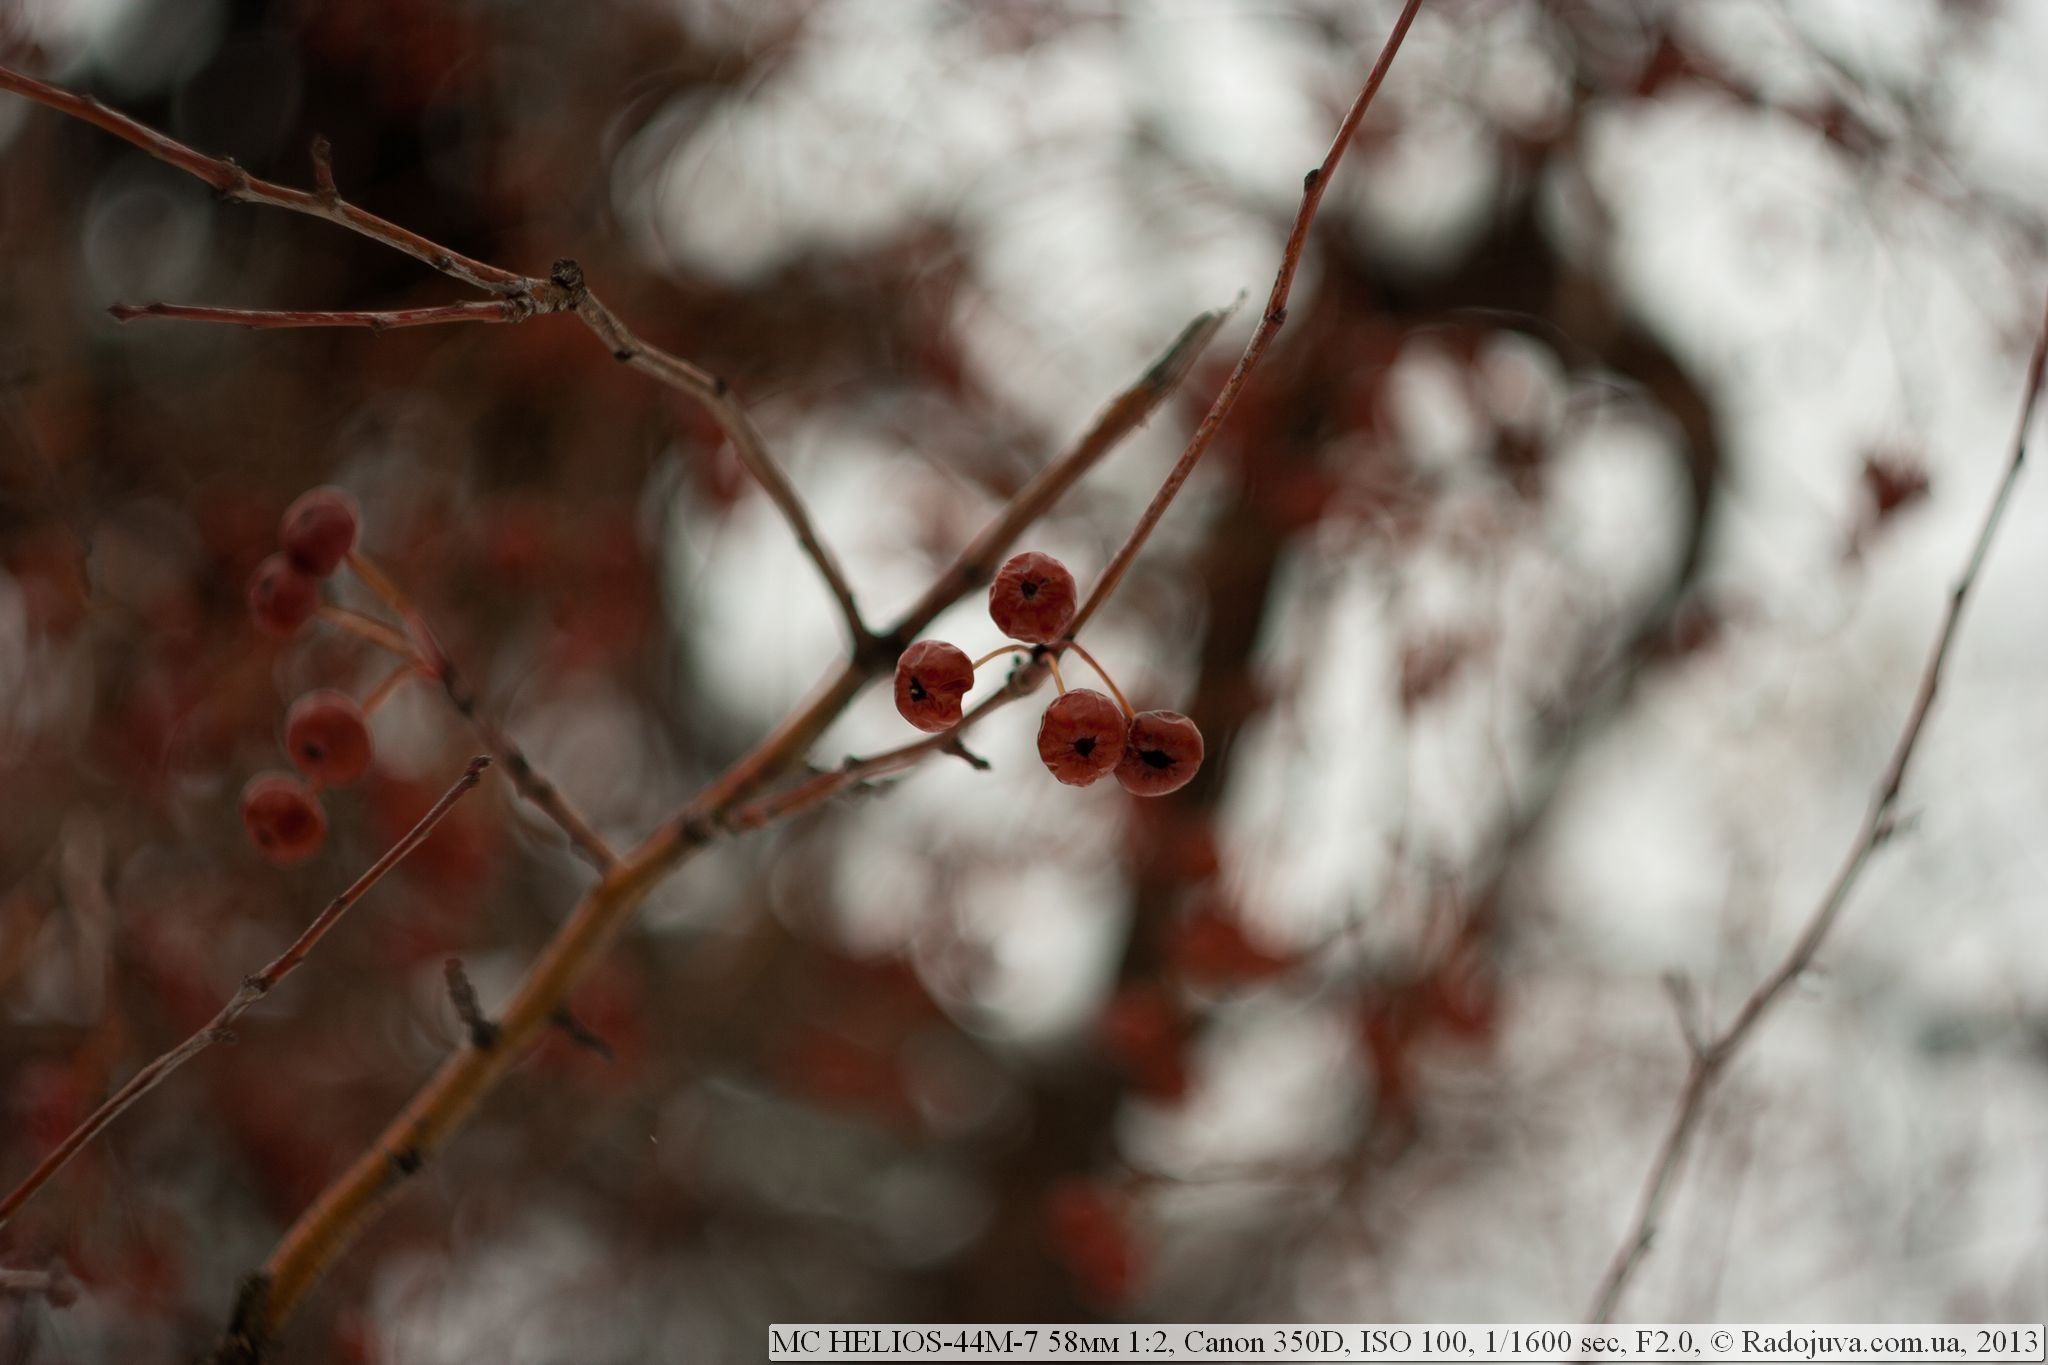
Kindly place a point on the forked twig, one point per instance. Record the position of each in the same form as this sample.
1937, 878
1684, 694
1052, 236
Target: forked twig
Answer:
1710, 1059
519, 297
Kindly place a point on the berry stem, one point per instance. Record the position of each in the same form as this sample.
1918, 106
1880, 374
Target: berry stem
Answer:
1103, 674
999, 653
366, 627
1053, 662
391, 684
433, 661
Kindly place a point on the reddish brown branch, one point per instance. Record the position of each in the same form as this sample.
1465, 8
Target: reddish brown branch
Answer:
1710, 1059
238, 185
253, 989
1314, 186
487, 310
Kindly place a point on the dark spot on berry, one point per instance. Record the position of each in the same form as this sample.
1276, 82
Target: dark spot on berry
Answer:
1085, 745
1156, 758
917, 692
1029, 588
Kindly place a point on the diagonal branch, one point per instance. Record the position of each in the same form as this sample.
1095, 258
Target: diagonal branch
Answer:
253, 989
1710, 1059
1314, 185
238, 186
485, 310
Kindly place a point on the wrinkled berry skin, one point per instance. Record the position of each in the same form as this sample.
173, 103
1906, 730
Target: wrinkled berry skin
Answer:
282, 596
283, 818
1081, 737
1033, 598
319, 530
931, 678
328, 739
1161, 753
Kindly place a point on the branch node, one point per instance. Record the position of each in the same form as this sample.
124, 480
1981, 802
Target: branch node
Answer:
248, 1334
406, 1161
1686, 1008
567, 276
483, 1034
1308, 182
958, 748
323, 171
579, 1034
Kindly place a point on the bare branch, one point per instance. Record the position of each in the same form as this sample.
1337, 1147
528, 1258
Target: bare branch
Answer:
253, 989
266, 319
238, 185
1314, 185
1711, 1060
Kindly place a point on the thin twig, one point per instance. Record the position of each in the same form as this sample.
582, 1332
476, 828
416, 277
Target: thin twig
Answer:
433, 661
716, 397
253, 989
822, 787
1314, 185
1710, 1060
483, 310
365, 627
238, 185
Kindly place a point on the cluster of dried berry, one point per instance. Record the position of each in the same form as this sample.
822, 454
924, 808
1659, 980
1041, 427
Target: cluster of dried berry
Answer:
1083, 735
326, 733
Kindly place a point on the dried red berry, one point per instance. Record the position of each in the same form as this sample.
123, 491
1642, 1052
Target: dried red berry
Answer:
282, 596
283, 818
1161, 754
320, 529
931, 678
1081, 737
1033, 598
328, 738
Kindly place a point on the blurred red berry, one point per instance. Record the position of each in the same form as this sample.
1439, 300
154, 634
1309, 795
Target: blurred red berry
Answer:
1089, 1228
931, 678
1033, 598
328, 738
283, 818
1211, 947
282, 596
319, 530
1161, 755
1146, 1034
1081, 737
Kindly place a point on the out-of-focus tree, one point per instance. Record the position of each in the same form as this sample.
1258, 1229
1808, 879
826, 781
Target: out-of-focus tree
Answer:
1548, 605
